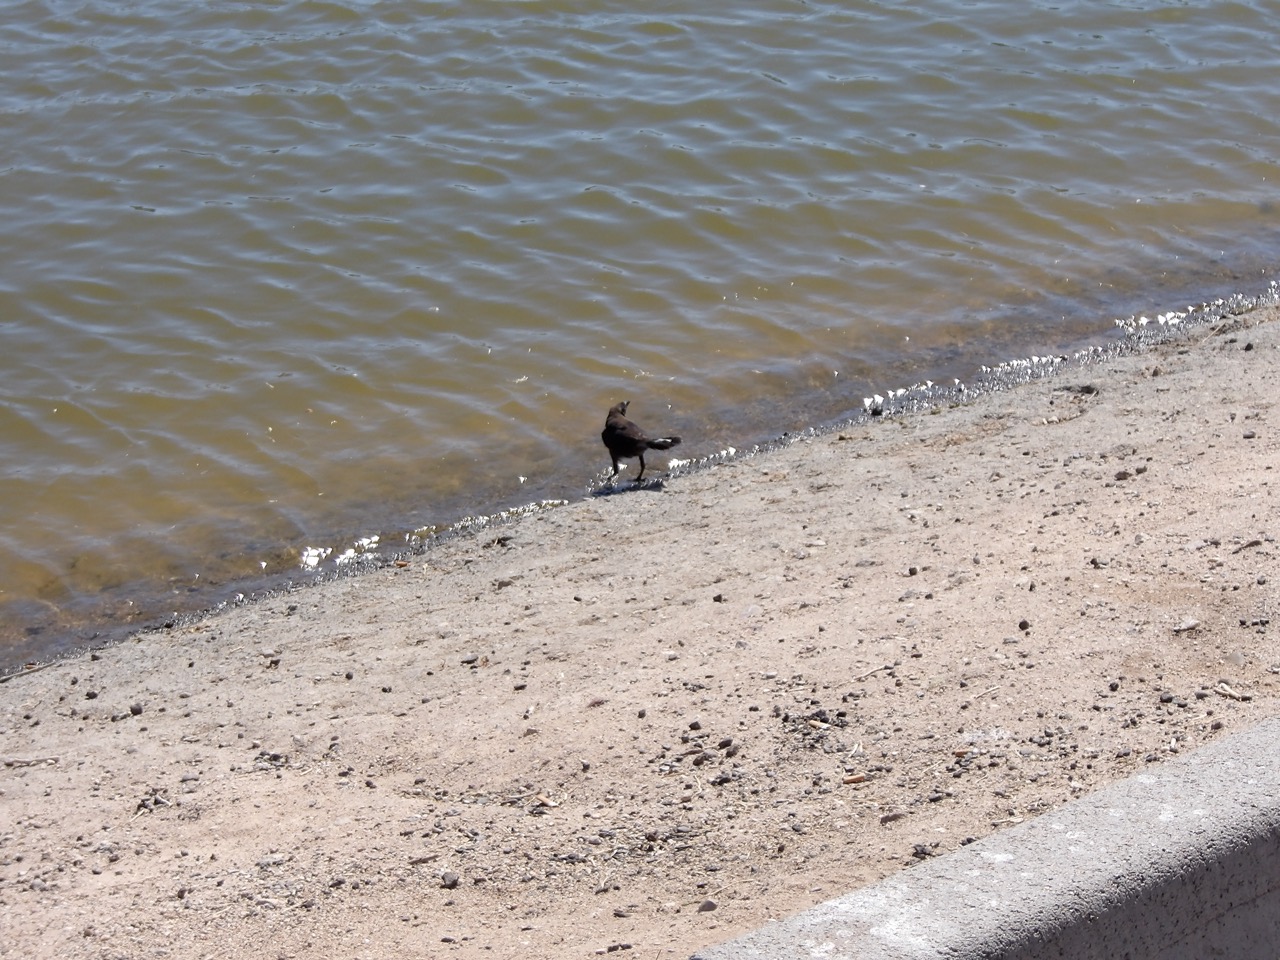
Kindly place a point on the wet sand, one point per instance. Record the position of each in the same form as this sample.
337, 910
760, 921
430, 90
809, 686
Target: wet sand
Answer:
650, 721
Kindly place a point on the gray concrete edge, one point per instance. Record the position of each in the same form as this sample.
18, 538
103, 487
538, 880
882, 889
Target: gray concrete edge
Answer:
1181, 861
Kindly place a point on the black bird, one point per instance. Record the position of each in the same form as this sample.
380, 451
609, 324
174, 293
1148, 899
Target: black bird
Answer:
625, 440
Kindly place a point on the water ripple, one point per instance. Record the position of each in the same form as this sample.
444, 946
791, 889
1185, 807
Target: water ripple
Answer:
281, 274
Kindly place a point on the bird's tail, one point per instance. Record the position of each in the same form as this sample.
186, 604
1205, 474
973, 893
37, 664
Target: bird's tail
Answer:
664, 443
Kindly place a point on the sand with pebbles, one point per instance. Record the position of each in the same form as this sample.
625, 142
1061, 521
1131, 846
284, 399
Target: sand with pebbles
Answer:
647, 722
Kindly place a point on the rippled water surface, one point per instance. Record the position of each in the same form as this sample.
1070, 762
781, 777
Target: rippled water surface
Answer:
280, 275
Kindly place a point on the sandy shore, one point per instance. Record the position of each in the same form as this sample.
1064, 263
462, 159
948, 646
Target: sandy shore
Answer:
650, 721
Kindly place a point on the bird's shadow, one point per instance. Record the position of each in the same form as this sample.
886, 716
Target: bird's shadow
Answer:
612, 487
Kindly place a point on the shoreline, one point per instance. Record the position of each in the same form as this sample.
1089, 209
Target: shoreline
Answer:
116, 624
660, 718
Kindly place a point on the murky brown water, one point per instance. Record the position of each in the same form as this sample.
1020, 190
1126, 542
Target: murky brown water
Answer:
277, 277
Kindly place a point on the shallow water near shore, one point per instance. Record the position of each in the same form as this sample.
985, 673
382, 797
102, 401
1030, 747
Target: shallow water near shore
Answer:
282, 278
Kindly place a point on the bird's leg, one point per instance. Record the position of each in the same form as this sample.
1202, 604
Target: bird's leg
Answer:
641, 473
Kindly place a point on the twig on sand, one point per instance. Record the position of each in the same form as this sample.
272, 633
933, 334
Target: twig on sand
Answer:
28, 668
887, 666
28, 761
1223, 689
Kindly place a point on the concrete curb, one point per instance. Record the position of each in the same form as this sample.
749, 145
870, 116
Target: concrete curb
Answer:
1179, 863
